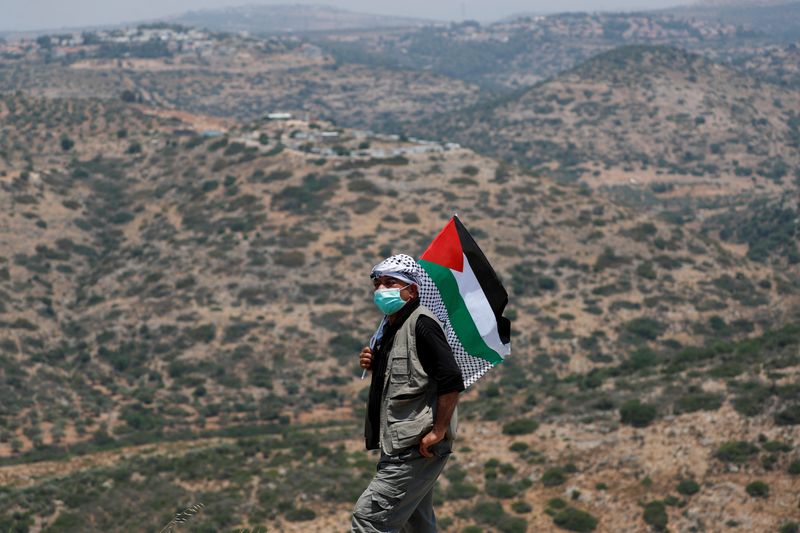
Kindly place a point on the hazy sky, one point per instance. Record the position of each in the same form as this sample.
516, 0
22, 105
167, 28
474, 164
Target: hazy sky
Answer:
23, 15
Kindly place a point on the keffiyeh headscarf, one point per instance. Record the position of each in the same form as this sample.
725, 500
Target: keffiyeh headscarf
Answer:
402, 267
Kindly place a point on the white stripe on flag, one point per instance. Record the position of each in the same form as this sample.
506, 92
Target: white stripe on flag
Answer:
479, 308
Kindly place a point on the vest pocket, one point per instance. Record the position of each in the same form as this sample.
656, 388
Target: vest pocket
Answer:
401, 408
409, 432
399, 370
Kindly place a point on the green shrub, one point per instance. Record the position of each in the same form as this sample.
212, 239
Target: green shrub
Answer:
140, 418
204, 333
345, 345
290, 259
64, 522
794, 468
757, 489
301, 514
487, 511
512, 524
573, 519
736, 451
687, 487
655, 514
216, 145
553, 476
639, 360
546, 283
410, 218
461, 490
234, 148
646, 328
521, 426
637, 414
556, 503
237, 330
501, 489
698, 401
776, 446
20, 522
646, 270
470, 170
521, 507
790, 527
751, 398
519, 447
789, 416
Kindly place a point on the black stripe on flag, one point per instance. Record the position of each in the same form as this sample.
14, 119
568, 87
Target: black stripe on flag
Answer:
487, 278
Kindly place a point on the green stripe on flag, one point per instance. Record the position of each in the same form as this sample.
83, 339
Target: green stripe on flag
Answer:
460, 318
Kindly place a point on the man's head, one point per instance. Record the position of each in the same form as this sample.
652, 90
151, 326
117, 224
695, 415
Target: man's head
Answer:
399, 272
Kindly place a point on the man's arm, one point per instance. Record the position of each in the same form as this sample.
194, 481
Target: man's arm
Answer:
445, 405
437, 359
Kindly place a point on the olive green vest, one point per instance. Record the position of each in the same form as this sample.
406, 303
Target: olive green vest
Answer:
408, 405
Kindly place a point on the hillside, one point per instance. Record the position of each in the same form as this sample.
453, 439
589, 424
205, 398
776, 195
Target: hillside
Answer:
228, 76
518, 52
162, 285
289, 18
777, 18
644, 115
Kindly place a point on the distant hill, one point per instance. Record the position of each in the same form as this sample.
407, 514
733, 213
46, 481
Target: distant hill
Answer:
521, 51
641, 107
778, 19
290, 18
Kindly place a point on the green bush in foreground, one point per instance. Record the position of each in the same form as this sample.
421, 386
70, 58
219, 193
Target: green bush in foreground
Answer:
736, 451
794, 468
789, 416
556, 503
655, 514
300, 515
687, 487
491, 513
553, 477
698, 401
523, 426
637, 414
790, 527
573, 519
461, 490
521, 507
757, 489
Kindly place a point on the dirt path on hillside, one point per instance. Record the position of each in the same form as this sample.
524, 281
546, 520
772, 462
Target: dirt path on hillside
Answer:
27, 474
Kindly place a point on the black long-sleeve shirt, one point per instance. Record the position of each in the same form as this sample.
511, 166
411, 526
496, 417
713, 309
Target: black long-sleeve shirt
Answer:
435, 356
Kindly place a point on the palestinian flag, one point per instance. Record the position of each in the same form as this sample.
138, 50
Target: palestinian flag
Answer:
463, 291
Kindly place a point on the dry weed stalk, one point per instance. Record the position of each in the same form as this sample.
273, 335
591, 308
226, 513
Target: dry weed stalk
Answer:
182, 517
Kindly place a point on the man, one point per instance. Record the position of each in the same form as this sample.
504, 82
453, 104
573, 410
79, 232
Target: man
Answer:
411, 407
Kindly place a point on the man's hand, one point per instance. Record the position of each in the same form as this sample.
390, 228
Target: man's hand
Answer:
430, 439
365, 358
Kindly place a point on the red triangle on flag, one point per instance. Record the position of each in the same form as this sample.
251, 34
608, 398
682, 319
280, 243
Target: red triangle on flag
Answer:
445, 250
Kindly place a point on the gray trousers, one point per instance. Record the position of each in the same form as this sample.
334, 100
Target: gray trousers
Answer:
400, 496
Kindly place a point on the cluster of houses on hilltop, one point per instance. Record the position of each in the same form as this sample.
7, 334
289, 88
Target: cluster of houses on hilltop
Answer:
343, 144
173, 38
